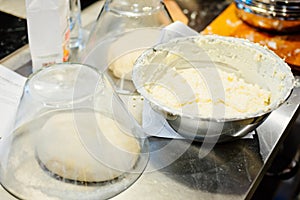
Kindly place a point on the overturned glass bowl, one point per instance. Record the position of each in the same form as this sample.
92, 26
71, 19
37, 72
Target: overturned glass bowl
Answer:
73, 138
124, 28
212, 87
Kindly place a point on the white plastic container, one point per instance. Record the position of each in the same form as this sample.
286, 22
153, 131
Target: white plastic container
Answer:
48, 31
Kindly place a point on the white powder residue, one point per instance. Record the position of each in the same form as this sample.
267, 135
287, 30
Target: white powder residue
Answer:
233, 24
250, 36
272, 44
296, 51
209, 28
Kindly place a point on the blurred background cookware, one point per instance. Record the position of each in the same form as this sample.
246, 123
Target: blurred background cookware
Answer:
271, 15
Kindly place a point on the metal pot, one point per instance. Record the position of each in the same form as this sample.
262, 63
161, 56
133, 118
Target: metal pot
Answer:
270, 15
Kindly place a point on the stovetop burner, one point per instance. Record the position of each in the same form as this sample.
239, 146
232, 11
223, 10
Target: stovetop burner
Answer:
13, 33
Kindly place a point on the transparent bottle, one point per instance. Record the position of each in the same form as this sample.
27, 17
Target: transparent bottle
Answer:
75, 24
48, 32
124, 29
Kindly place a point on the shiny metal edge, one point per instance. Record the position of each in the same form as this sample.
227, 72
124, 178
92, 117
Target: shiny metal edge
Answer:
279, 121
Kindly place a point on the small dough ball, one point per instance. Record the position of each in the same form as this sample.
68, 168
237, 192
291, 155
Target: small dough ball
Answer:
71, 146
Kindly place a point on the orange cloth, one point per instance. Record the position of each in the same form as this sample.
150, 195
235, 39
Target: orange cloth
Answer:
286, 46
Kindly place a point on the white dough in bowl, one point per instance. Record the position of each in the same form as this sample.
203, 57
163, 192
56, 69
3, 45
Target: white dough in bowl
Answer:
190, 76
239, 97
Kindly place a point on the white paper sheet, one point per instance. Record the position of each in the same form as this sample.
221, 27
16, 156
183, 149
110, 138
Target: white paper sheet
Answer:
156, 125
11, 90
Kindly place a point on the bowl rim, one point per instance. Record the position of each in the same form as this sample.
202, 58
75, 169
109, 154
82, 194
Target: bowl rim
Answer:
244, 42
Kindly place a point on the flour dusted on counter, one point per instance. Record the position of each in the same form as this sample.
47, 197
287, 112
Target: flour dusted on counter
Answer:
237, 96
48, 31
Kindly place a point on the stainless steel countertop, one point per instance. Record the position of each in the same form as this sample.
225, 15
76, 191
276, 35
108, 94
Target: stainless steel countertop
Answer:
232, 170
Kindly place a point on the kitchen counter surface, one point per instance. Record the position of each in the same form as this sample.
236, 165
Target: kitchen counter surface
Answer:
232, 170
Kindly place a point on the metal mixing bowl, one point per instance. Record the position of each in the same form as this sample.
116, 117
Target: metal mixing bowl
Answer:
250, 61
